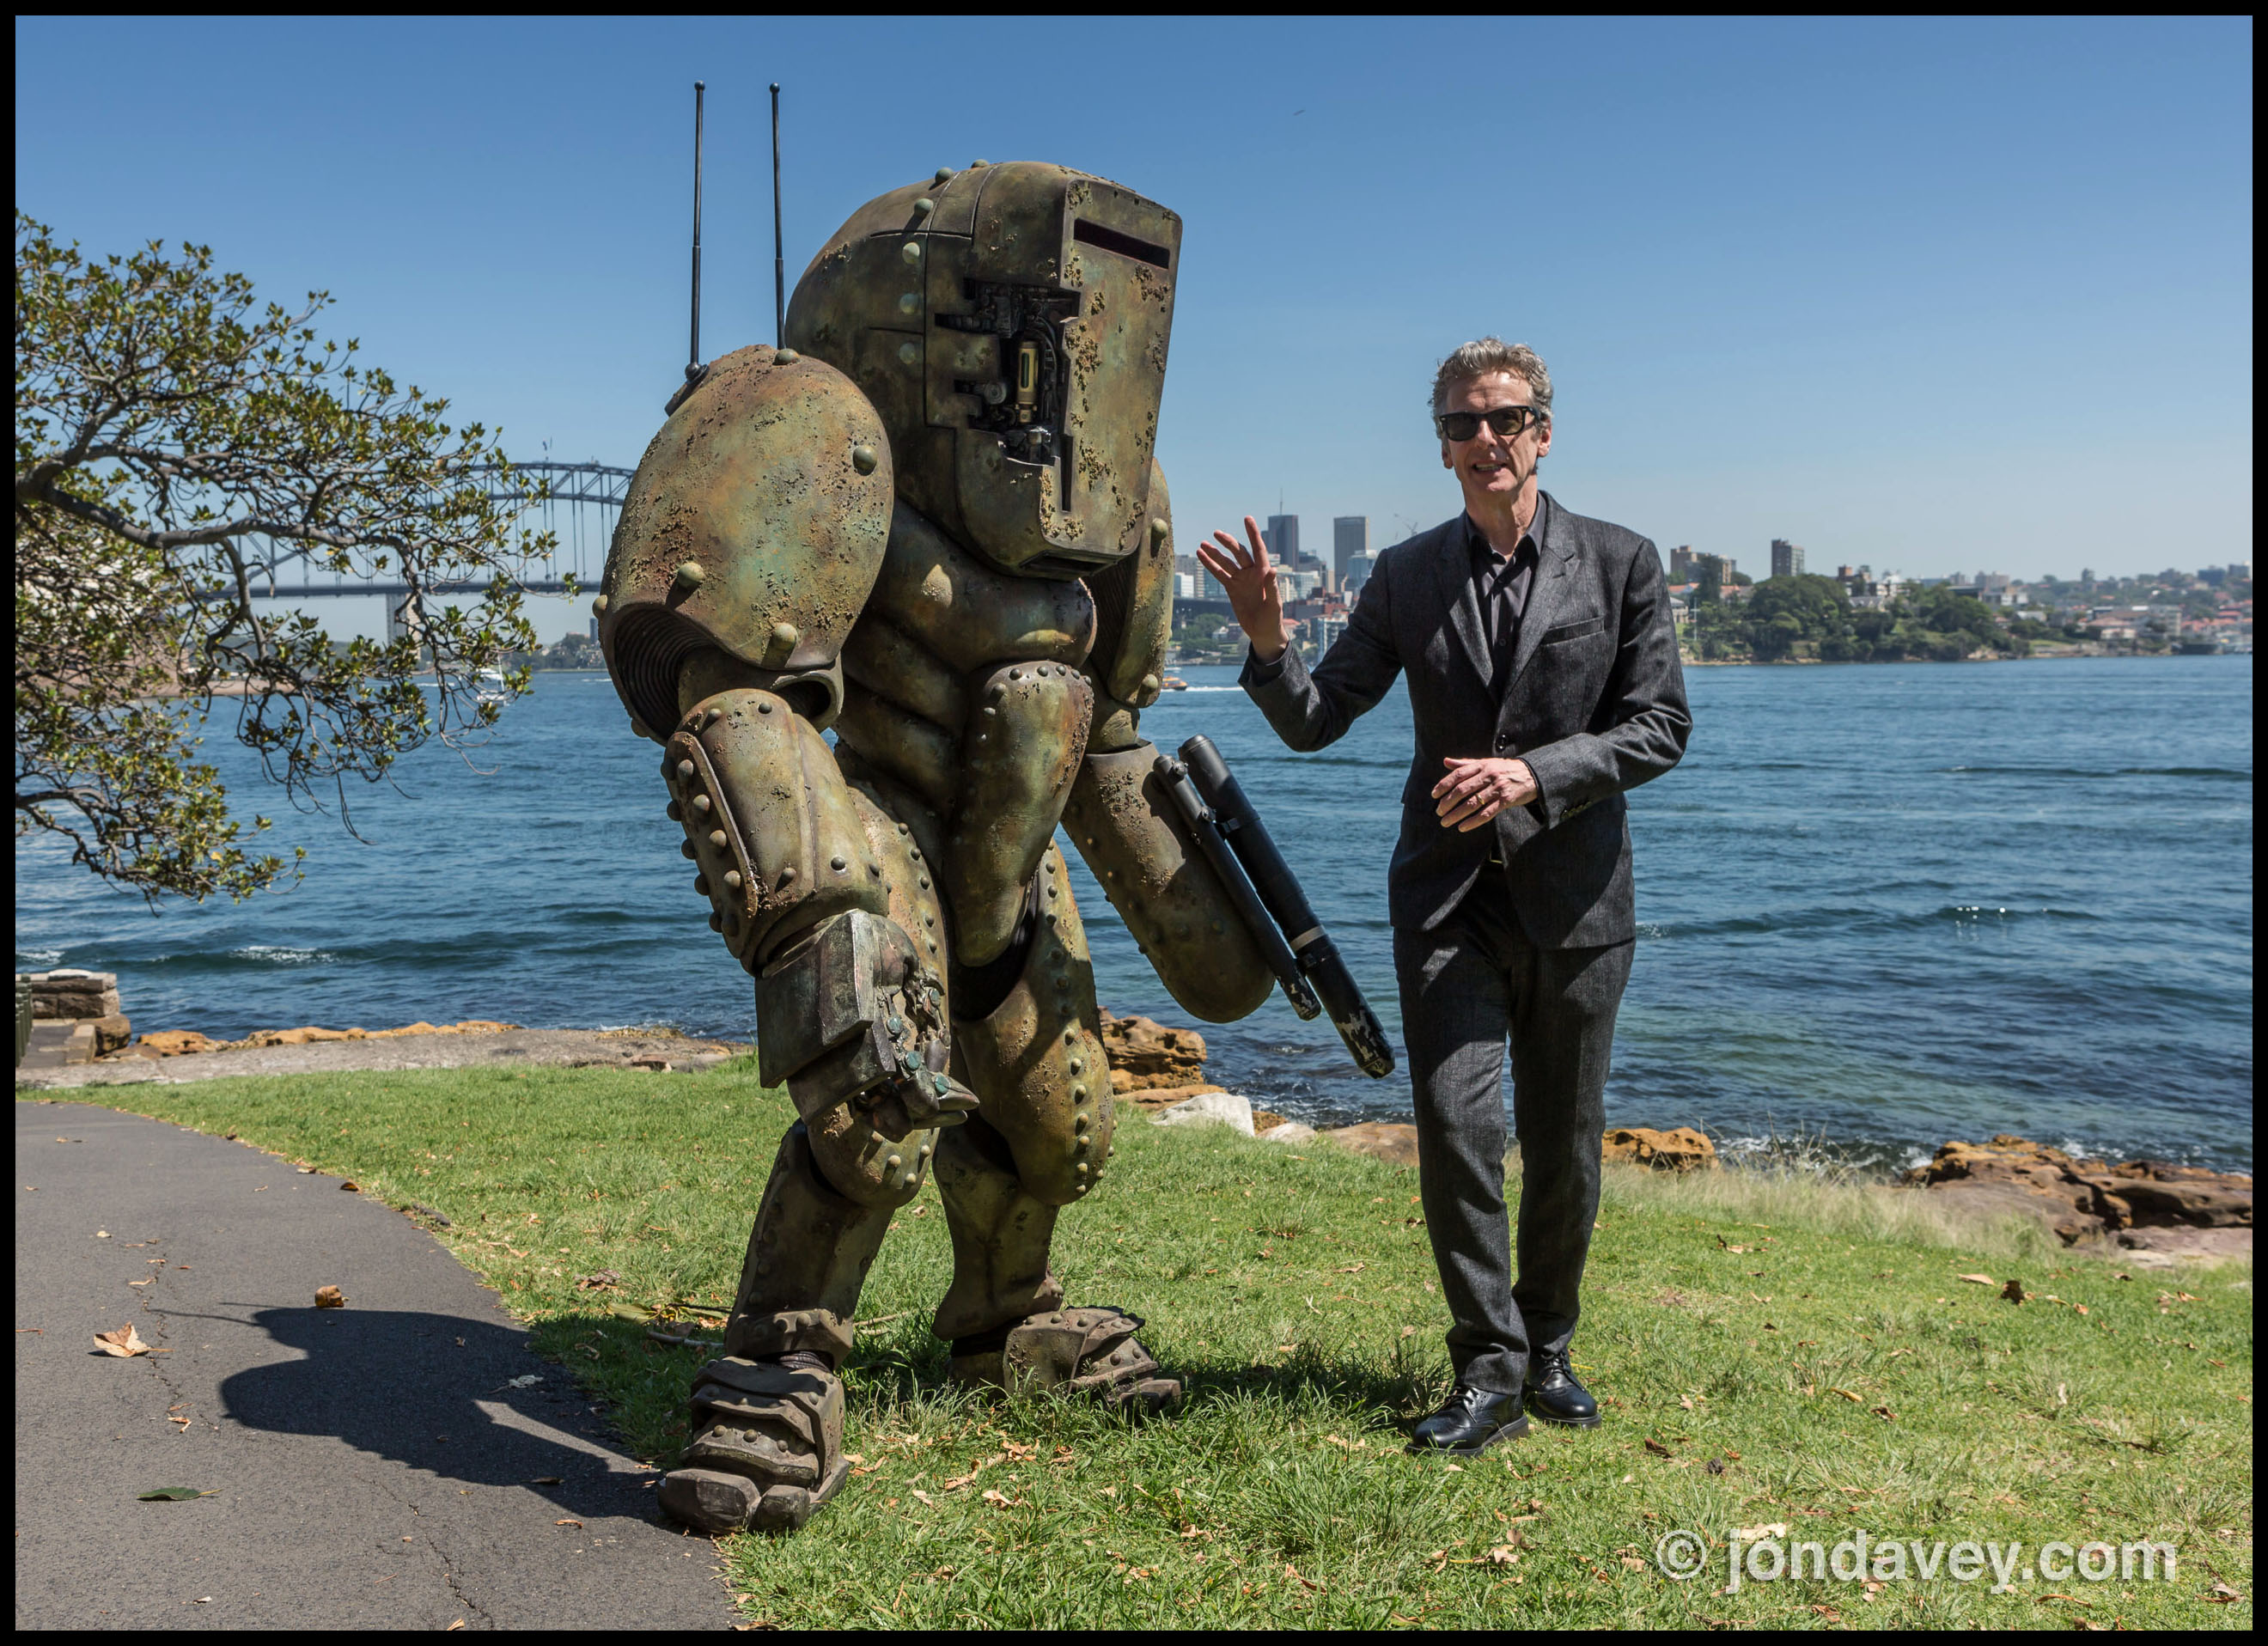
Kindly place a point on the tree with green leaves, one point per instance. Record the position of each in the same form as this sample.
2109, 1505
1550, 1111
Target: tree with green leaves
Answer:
177, 444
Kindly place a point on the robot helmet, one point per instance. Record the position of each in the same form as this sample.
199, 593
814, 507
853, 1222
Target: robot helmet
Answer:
1009, 323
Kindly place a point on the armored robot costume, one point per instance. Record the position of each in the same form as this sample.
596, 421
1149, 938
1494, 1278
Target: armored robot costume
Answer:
932, 524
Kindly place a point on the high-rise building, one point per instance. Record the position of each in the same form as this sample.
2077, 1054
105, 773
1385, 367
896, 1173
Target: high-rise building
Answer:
1680, 564
1283, 539
1350, 537
1787, 558
1358, 568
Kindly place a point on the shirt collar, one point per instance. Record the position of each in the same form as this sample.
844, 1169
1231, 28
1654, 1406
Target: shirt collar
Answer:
1483, 553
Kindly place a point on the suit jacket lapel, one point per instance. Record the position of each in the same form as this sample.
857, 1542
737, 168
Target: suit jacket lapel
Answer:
1452, 563
1555, 556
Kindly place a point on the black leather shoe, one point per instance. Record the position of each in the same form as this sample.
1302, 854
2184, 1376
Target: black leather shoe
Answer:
1469, 1420
1555, 1396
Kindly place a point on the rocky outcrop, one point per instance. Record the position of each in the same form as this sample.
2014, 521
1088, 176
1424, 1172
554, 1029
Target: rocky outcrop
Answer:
1145, 1056
1681, 1149
1382, 1139
2089, 1200
185, 1042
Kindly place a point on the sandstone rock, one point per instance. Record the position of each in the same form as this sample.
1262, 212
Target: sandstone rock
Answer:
1681, 1149
1267, 1119
112, 1034
1289, 1132
1165, 1097
1385, 1140
1213, 1108
2083, 1199
470, 1025
71, 993
179, 1042
2161, 1248
307, 1036
1149, 1055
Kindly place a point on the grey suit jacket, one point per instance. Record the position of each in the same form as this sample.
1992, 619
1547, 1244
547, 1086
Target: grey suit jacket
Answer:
1596, 705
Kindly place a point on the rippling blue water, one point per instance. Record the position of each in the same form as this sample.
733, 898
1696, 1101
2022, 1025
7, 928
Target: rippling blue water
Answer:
1892, 904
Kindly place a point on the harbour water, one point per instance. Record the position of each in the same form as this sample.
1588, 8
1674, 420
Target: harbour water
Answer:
1881, 905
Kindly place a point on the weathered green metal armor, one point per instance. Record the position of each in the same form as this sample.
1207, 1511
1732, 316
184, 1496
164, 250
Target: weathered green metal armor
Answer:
934, 525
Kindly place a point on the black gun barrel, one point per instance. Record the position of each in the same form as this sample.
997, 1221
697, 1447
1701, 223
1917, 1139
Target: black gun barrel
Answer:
1278, 888
1250, 909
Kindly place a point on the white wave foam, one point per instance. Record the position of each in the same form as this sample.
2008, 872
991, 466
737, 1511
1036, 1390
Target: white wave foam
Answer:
274, 955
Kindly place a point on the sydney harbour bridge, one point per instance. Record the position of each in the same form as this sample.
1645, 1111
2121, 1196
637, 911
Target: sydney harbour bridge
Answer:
580, 506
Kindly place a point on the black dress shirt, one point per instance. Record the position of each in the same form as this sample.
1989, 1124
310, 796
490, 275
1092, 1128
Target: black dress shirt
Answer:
1501, 586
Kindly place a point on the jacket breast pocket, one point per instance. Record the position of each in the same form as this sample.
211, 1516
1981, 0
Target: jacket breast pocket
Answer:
1581, 629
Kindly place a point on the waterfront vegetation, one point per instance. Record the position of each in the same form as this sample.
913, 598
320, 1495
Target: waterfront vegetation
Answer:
1770, 1349
1811, 618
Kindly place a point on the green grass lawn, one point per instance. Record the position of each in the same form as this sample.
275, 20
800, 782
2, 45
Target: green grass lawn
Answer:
1766, 1353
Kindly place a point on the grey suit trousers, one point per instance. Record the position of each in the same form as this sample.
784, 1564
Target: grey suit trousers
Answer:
1466, 985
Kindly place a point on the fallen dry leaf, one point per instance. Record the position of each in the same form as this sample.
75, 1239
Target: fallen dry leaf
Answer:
1856, 1399
1773, 1529
2221, 1594
1656, 1447
1884, 1412
1001, 1500
576, 1523
125, 1342
351, 1186
330, 1298
1977, 1279
172, 1495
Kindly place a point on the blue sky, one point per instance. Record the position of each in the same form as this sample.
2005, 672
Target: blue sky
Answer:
1937, 295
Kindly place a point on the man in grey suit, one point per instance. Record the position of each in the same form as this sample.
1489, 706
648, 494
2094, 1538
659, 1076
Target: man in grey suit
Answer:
1544, 682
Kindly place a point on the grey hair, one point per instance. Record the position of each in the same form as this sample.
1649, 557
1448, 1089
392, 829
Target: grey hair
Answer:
1493, 354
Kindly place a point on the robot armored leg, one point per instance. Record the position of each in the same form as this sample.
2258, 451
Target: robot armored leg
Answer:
823, 896
1039, 1143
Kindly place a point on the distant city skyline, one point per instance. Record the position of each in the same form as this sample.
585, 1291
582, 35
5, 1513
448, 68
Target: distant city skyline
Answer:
1844, 281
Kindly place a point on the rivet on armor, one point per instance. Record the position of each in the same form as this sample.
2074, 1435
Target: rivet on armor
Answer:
901, 828
923, 1152
863, 458
875, 869
686, 848
893, 1163
685, 769
925, 883
712, 717
1158, 530
1015, 674
914, 852
717, 837
910, 251
1149, 683
701, 802
838, 864
599, 607
897, 1025
925, 207
908, 353
1080, 1168
732, 879
784, 639
638, 728
716, 922
787, 874
942, 1083
943, 173
691, 576
675, 811
1070, 1036
701, 883
910, 302
974, 163
785, 357
1078, 1094
1078, 1123
1079, 1145
1074, 1065
763, 708
929, 920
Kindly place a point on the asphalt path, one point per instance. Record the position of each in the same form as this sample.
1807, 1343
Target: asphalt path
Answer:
375, 1466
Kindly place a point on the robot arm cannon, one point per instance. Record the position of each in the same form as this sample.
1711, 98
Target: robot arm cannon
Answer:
1262, 885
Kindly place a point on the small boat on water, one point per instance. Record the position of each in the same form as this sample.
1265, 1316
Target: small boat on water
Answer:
1172, 683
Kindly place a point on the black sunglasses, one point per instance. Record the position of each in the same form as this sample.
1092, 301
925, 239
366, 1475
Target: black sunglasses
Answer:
1506, 420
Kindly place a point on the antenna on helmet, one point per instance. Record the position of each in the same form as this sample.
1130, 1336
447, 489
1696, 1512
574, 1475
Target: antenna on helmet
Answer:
779, 245
694, 370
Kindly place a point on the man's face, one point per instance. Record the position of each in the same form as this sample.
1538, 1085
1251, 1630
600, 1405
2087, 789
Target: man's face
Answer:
1491, 468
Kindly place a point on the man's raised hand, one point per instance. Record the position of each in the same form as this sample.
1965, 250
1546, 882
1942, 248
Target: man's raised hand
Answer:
1250, 581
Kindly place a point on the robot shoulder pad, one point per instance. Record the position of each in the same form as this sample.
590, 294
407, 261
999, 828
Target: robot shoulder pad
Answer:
756, 523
